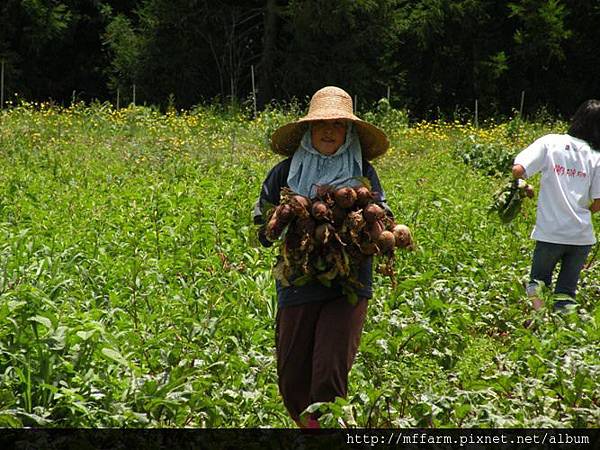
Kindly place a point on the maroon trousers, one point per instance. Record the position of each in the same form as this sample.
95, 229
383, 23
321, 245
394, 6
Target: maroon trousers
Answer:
316, 346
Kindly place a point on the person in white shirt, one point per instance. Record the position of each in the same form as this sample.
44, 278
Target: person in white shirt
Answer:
569, 193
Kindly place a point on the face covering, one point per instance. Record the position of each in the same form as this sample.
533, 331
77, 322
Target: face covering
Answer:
310, 169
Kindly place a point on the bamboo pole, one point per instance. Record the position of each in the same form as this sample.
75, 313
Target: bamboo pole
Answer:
253, 91
2, 86
232, 91
522, 103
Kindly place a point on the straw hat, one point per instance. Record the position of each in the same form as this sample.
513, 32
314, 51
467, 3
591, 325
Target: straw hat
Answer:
330, 103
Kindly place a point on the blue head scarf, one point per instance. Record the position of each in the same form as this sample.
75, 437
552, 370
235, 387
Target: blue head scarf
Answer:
310, 168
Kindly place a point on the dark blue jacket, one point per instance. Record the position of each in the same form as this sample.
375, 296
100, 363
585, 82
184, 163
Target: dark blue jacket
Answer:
314, 291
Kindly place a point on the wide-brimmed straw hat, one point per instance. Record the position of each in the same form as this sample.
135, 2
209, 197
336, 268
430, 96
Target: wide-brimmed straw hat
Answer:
330, 103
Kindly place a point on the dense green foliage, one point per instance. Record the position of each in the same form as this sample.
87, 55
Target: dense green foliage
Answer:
133, 292
436, 56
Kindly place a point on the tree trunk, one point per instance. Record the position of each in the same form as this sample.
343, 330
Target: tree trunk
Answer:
265, 76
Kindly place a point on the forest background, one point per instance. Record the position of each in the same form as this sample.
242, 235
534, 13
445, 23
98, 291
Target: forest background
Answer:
432, 57
133, 291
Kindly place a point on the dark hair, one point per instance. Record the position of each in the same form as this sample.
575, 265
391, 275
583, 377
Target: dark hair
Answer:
585, 124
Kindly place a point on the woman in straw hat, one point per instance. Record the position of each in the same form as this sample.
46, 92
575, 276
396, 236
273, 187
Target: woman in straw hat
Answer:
317, 329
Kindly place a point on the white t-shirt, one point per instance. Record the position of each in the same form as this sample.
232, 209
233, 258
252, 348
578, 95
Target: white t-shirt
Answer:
570, 181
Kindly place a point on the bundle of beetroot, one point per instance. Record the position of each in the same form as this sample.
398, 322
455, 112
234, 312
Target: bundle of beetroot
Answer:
327, 238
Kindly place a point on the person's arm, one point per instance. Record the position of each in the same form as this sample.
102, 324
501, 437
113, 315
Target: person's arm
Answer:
269, 194
370, 173
518, 173
595, 190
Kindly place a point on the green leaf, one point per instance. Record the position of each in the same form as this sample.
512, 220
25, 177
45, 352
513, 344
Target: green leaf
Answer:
9, 421
114, 355
462, 410
85, 335
42, 320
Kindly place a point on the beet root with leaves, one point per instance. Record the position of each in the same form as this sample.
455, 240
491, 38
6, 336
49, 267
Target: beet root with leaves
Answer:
326, 238
509, 199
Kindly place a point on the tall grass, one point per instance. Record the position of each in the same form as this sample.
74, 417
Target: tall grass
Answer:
133, 291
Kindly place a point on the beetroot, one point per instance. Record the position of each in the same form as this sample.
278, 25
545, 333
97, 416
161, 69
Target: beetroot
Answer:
529, 192
363, 196
330, 236
375, 230
323, 191
345, 197
369, 248
373, 212
320, 211
386, 241
274, 229
403, 236
284, 213
301, 200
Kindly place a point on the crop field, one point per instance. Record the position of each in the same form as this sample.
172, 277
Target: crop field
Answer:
134, 293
